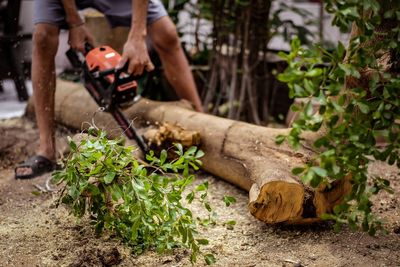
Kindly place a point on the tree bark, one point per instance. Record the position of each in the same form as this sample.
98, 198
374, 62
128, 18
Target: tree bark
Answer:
243, 154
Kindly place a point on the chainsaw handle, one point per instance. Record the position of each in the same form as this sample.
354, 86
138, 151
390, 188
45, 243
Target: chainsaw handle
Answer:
119, 71
88, 47
76, 58
117, 75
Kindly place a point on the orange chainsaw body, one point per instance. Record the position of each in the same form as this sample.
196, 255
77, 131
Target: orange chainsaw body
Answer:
111, 87
104, 58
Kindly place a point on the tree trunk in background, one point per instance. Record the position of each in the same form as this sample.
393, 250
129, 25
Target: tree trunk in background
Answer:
243, 154
239, 84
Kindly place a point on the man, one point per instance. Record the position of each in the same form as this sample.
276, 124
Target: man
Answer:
145, 17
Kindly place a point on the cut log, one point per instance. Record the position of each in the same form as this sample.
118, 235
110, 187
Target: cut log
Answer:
243, 154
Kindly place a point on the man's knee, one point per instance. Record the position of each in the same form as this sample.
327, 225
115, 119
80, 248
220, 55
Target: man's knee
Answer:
166, 38
45, 39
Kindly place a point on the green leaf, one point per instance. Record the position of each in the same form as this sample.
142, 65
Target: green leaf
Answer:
210, 259
36, 193
319, 171
230, 224
73, 192
299, 91
280, 139
199, 154
337, 107
184, 233
309, 109
57, 177
309, 86
314, 73
308, 177
297, 170
108, 179
349, 70
202, 186
190, 197
163, 156
388, 14
327, 216
341, 50
315, 181
207, 206
202, 241
191, 150
228, 200
364, 108
72, 144
349, 11
398, 15
179, 150
93, 190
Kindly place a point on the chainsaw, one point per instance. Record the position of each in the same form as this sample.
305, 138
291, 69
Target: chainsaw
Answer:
112, 88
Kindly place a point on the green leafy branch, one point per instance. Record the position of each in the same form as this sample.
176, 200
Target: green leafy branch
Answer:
351, 118
140, 203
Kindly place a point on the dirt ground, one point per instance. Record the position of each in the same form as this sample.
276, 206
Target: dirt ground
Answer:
33, 232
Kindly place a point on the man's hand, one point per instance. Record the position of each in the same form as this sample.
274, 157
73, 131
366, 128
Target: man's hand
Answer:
78, 36
136, 54
135, 49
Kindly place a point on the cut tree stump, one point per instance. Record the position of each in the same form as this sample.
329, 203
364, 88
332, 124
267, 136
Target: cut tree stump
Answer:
243, 154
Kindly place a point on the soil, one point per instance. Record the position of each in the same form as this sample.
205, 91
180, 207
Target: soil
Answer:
34, 232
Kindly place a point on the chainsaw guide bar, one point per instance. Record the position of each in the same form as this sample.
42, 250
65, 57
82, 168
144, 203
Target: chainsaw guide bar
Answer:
111, 87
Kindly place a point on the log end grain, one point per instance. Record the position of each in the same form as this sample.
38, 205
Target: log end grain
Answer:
276, 201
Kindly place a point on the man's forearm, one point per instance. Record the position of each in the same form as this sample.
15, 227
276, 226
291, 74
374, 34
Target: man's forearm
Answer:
71, 12
139, 19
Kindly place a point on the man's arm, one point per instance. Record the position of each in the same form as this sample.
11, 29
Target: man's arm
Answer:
135, 49
78, 33
71, 11
139, 19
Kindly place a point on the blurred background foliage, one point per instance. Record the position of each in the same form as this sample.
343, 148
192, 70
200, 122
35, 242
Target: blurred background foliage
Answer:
233, 66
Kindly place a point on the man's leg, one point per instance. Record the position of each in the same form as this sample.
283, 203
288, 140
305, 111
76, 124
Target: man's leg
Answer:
167, 44
45, 45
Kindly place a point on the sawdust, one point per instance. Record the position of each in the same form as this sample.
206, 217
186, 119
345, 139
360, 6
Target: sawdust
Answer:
167, 133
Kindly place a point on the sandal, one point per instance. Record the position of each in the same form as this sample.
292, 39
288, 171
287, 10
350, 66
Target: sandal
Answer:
38, 165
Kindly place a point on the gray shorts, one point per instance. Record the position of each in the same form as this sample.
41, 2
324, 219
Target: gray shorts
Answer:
118, 12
